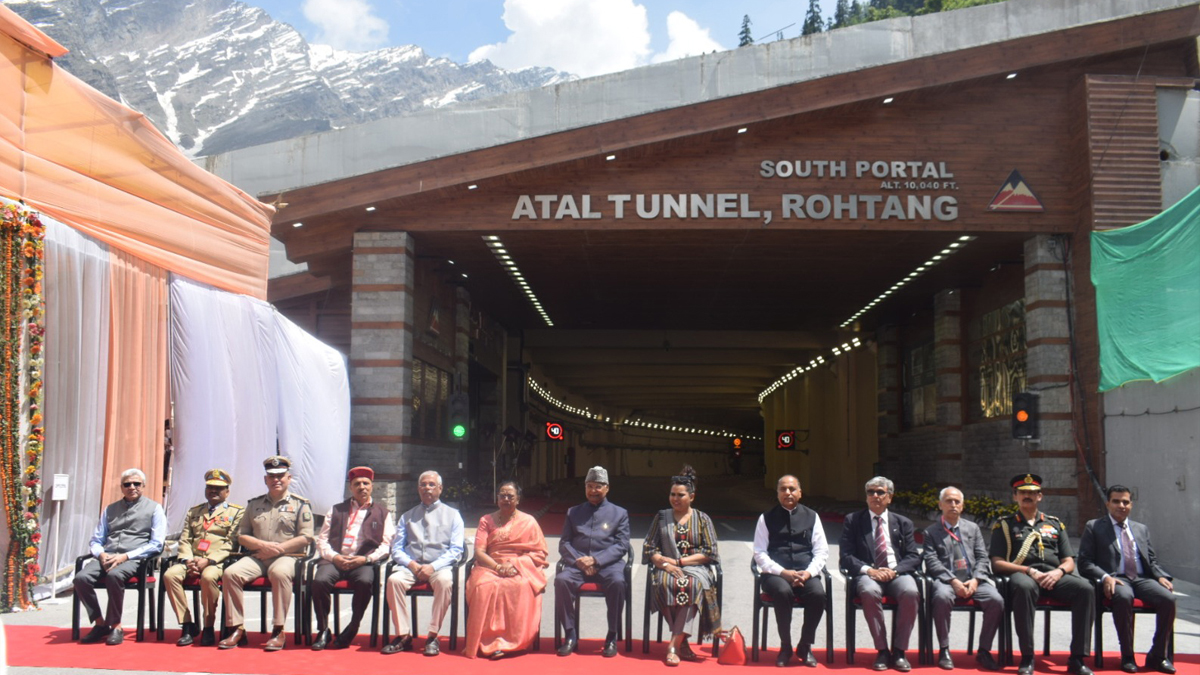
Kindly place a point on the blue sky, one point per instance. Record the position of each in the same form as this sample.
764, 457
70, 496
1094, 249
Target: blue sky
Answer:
585, 37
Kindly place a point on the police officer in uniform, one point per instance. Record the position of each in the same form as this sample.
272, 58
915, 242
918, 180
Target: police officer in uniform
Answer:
276, 529
1033, 548
208, 533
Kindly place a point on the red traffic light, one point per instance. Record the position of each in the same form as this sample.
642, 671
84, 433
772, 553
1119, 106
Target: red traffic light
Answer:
785, 440
554, 431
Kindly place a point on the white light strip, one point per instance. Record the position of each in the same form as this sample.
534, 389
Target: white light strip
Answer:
505, 259
921, 269
655, 426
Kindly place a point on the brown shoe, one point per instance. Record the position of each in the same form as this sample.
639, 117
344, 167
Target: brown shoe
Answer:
277, 641
236, 639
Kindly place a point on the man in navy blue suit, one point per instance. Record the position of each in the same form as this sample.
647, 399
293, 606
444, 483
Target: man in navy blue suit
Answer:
879, 553
1116, 552
594, 543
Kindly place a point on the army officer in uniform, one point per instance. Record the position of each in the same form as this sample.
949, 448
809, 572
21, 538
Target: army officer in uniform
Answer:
1033, 548
207, 540
276, 529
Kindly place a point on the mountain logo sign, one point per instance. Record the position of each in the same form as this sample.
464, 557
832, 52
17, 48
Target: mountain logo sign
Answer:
1015, 195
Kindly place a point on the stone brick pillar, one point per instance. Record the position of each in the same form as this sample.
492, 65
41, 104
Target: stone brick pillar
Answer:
948, 365
1047, 370
888, 389
381, 344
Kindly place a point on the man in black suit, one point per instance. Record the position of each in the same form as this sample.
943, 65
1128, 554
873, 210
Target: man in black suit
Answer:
1116, 552
879, 553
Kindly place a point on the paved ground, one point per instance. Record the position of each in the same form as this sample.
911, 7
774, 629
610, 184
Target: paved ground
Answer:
734, 505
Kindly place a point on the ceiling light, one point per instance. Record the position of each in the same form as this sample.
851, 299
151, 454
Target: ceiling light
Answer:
610, 158
464, 275
370, 209
1010, 76
742, 130
888, 100
491, 237
297, 224
472, 186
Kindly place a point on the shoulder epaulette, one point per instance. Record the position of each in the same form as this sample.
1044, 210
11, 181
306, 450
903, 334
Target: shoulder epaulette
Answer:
236, 506
302, 499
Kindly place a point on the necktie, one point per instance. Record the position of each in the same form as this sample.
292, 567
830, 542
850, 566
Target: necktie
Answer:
881, 557
964, 572
1127, 552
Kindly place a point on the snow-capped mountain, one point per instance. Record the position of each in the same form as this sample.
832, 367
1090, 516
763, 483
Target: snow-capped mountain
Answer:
217, 75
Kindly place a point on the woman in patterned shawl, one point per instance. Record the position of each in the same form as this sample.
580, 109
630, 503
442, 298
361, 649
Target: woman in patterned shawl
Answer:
679, 548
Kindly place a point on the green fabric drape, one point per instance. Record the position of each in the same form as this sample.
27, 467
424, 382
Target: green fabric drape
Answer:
1147, 279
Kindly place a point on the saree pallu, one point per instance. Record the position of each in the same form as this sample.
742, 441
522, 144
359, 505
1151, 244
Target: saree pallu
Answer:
506, 612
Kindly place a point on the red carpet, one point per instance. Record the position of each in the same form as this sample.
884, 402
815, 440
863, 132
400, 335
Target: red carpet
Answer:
46, 647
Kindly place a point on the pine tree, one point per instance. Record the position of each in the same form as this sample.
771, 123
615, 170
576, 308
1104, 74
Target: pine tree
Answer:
813, 23
744, 37
841, 14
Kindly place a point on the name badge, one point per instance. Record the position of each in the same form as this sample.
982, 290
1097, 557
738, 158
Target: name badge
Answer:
960, 564
203, 545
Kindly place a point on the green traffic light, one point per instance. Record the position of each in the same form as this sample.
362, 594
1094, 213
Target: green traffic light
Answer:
459, 430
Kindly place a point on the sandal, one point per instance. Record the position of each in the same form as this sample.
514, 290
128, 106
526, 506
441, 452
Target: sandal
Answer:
690, 656
497, 655
671, 659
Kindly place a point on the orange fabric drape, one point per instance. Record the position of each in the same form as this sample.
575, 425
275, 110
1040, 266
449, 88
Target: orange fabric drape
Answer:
72, 153
137, 375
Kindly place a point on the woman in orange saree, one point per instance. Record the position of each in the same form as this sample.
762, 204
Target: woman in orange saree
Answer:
504, 591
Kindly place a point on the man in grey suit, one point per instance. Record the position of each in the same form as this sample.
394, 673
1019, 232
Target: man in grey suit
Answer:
1116, 552
957, 563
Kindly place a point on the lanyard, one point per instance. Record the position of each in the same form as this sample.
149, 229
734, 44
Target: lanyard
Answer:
949, 531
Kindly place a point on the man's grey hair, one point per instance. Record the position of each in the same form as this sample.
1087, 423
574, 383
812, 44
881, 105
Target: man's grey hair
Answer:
133, 472
433, 473
942, 494
787, 475
880, 481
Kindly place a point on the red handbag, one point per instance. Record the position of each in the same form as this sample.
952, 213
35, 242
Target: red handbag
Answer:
733, 651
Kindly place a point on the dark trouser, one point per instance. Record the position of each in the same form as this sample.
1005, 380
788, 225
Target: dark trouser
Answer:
1071, 589
811, 597
325, 576
114, 582
566, 588
1154, 595
986, 597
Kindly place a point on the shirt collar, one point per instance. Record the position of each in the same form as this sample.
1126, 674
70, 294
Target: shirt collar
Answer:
1115, 524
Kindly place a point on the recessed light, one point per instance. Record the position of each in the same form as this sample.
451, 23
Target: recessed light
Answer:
610, 158
888, 100
297, 224
472, 186
450, 261
491, 237
370, 209
1010, 76
743, 130
464, 275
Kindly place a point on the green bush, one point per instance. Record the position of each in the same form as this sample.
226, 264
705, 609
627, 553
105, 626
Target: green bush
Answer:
984, 510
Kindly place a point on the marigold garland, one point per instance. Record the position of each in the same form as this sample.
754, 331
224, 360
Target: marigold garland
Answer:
22, 334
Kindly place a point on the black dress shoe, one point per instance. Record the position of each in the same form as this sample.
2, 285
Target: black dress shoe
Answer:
900, 663
432, 647
569, 645
944, 660
189, 631
805, 656
96, 634
1159, 664
116, 637
322, 640
882, 661
1076, 666
785, 655
610, 648
400, 644
208, 637
1026, 667
986, 662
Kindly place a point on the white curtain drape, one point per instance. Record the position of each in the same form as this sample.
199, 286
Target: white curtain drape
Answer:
241, 377
314, 413
76, 383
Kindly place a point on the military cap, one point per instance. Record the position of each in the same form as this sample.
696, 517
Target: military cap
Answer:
1026, 481
277, 465
218, 477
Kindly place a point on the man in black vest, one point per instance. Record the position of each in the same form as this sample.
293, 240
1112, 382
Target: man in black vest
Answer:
790, 550
356, 533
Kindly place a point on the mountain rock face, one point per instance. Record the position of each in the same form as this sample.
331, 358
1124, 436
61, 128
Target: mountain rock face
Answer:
218, 75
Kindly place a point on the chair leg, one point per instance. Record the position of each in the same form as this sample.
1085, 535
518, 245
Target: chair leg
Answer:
1045, 633
828, 625
970, 635
337, 613
849, 631
375, 617
141, 615
1098, 631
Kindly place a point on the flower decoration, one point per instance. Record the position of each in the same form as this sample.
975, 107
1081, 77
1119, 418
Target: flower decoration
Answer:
22, 435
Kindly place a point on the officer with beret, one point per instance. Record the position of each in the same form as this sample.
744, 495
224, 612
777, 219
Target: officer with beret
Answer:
276, 529
1034, 549
357, 533
593, 546
207, 540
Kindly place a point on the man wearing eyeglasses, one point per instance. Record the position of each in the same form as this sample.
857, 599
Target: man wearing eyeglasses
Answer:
130, 530
207, 540
276, 529
880, 554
